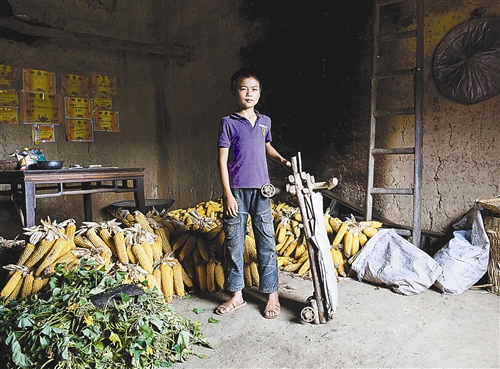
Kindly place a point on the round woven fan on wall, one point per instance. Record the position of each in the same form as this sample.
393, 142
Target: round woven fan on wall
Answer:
467, 61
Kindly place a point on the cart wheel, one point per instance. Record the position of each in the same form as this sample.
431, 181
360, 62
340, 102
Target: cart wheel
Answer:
307, 314
309, 299
310, 313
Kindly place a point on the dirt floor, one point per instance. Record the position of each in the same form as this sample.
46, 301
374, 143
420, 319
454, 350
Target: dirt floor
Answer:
375, 328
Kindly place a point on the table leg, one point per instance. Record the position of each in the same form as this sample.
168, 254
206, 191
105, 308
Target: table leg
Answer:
140, 201
87, 202
29, 204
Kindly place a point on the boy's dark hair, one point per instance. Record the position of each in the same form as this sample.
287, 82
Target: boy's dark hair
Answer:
242, 74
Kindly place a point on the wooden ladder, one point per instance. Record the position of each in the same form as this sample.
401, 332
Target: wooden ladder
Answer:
416, 110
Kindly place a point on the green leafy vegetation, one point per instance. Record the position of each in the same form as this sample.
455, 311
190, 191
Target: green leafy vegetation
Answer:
60, 327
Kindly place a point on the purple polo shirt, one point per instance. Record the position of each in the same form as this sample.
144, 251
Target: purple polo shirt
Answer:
247, 161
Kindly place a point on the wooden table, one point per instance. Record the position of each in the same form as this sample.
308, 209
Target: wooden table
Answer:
30, 185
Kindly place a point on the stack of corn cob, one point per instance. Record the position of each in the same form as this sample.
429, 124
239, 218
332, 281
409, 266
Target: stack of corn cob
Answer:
175, 251
347, 238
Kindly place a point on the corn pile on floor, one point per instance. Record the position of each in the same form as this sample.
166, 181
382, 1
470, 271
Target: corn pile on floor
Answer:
375, 328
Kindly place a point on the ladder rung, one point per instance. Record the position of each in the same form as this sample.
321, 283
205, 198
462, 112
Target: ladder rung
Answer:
397, 36
391, 191
386, 113
394, 151
396, 73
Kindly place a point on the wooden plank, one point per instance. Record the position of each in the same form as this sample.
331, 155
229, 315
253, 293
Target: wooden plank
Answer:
100, 41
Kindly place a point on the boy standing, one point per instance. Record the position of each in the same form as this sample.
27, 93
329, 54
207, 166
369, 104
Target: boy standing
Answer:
244, 142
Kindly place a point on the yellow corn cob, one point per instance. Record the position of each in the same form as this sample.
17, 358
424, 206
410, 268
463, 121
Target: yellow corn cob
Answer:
42, 248
130, 218
329, 229
335, 223
178, 280
82, 241
220, 278
106, 236
296, 229
340, 234
291, 247
297, 216
189, 268
214, 232
152, 282
157, 275
28, 250
299, 250
96, 240
27, 285
11, 284
293, 267
163, 236
279, 206
338, 260
142, 257
201, 244
60, 247
362, 239
201, 273
148, 249
167, 281
369, 231
370, 223
281, 261
131, 256
180, 241
211, 287
288, 240
188, 247
254, 271
348, 244
70, 230
170, 229
355, 243
305, 267
15, 292
186, 279
218, 241
38, 284
280, 232
143, 221
120, 247
195, 255
157, 249
247, 275
67, 258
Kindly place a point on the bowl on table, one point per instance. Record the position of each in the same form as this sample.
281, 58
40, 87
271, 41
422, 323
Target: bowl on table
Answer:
49, 164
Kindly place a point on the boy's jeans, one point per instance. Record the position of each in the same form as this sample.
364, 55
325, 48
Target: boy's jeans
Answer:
250, 201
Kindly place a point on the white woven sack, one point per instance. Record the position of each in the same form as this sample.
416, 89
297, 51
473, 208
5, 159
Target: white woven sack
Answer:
464, 258
389, 259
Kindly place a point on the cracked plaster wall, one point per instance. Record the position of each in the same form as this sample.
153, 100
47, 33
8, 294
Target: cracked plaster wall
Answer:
461, 145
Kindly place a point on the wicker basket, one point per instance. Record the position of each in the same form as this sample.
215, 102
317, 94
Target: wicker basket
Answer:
492, 205
492, 226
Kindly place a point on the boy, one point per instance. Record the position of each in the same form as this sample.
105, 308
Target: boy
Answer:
244, 142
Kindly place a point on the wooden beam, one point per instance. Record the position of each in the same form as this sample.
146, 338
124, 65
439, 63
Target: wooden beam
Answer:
104, 42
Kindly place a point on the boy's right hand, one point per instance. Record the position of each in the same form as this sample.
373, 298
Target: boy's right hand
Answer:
231, 206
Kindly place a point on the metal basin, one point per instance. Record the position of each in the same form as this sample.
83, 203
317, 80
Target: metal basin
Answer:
50, 164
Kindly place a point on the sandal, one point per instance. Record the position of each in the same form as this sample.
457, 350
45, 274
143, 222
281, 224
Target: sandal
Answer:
272, 310
229, 306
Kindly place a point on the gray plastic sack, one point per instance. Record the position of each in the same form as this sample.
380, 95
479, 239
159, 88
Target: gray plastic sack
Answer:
464, 258
389, 259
